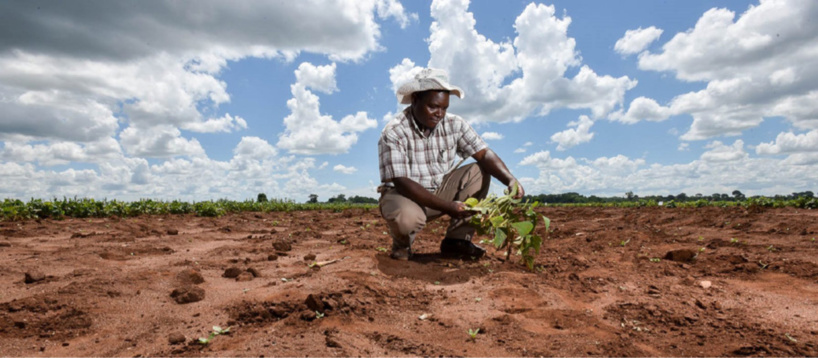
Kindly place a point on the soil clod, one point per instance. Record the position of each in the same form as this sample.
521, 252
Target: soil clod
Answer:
682, 255
282, 245
232, 272
308, 315
34, 276
244, 277
314, 303
176, 338
190, 276
188, 294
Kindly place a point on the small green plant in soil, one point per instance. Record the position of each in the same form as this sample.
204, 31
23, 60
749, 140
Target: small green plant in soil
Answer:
511, 223
216, 331
473, 334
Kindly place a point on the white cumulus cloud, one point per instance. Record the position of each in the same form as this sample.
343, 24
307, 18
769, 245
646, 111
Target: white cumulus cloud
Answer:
113, 93
760, 64
492, 136
510, 80
307, 130
344, 169
720, 152
724, 169
578, 135
636, 41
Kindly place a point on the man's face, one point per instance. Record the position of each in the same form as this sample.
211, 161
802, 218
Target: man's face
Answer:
430, 107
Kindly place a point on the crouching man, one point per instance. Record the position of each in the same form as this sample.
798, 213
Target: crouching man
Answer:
420, 179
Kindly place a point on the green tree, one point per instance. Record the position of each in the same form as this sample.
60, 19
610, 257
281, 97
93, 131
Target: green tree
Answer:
341, 198
738, 195
313, 199
262, 198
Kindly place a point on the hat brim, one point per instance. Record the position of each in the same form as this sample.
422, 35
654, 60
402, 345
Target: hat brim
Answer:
405, 91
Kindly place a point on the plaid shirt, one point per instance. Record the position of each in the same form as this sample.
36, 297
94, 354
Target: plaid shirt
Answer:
404, 151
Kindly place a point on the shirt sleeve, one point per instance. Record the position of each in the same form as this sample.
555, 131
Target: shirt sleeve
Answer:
393, 162
468, 142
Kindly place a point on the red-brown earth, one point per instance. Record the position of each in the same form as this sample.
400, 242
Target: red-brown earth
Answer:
608, 282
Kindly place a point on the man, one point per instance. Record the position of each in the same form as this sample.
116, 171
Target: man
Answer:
420, 180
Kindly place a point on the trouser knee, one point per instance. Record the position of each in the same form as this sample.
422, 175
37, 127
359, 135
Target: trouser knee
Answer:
406, 223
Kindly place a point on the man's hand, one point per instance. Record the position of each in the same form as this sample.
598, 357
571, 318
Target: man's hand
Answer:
520, 190
458, 210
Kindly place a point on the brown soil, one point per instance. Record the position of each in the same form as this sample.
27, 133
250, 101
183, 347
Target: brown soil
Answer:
609, 282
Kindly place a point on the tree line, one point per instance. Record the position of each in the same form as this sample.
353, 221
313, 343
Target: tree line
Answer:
577, 198
736, 195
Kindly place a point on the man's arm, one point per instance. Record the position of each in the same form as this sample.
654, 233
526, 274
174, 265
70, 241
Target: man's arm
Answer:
491, 163
412, 190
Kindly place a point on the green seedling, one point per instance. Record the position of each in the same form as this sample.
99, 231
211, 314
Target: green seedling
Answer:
655, 259
510, 222
763, 265
701, 238
771, 248
473, 334
793, 340
437, 282
478, 299
318, 315
624, 242
381, 249
733, 240
216, 331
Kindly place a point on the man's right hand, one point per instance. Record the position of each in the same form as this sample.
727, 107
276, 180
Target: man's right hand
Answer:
458, 210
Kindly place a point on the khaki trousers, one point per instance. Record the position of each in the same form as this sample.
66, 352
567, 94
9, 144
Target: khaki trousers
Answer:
405, 218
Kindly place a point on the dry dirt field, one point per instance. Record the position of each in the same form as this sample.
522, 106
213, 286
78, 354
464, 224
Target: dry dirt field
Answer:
609, 282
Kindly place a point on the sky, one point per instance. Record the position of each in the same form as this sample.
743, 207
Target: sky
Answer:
207, 99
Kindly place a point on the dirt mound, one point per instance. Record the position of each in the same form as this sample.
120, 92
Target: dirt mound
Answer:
608, 282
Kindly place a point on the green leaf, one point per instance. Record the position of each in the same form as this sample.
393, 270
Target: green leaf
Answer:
513, 191
499, 237
523, 228
497, 221
547, 223
471, 202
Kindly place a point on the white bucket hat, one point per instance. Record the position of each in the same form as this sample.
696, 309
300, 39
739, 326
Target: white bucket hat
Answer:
427, 79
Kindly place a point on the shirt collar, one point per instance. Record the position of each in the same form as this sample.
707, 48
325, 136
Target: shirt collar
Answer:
408, 113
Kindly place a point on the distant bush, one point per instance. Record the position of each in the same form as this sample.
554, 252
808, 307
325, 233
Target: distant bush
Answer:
14, 209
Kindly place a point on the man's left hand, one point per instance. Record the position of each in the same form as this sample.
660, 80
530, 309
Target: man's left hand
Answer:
520, 190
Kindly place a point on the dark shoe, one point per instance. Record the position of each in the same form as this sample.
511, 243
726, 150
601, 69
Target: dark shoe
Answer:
462, 248
401, 254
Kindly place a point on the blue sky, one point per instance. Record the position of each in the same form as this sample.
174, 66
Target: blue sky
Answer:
209, 99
